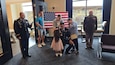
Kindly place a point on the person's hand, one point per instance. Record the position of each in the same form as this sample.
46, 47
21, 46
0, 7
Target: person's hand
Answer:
95, 30
68, 26
19, 37
56, 28
30, 25
41, 27
71, 42
59, 27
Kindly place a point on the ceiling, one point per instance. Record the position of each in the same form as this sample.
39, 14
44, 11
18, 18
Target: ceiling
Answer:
78, 0
17, 1
20, 1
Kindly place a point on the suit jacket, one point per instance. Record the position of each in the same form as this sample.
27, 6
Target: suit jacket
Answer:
21, 28
90, 24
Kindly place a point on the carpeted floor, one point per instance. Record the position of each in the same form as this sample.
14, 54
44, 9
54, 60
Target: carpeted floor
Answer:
45, 56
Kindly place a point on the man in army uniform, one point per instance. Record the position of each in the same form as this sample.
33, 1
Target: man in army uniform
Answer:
90, 26
21, 30
57, 21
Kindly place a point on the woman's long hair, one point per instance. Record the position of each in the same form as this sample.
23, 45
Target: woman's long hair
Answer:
56, 35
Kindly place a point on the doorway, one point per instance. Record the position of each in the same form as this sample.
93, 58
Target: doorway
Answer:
13, 10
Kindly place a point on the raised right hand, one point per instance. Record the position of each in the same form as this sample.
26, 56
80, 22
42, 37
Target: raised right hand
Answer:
19, 37
71, 42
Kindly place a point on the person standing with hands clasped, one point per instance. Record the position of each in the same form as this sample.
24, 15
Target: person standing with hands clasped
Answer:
21, 30
90, 26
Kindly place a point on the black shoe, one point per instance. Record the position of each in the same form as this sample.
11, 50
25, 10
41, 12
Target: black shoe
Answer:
91, 48
87, 48
72, 50
24, 57
28, 55
76, 52
62, 51
67, 53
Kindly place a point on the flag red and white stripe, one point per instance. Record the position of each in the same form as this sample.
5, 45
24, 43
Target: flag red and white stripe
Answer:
50, 16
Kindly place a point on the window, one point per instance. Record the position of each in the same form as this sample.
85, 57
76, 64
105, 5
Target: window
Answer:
82, 7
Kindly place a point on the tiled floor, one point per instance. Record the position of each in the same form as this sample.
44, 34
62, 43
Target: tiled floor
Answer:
45, 56
16, 47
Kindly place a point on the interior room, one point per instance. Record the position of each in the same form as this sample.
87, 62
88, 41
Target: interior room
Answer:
103, 52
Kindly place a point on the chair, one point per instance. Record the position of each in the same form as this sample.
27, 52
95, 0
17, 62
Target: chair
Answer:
107, 44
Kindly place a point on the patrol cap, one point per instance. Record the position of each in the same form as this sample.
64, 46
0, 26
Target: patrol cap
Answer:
61, 23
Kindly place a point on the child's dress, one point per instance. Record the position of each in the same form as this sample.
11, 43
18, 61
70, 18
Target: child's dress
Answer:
57, 46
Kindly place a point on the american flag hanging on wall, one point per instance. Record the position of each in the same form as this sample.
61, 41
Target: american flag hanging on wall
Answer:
50, 16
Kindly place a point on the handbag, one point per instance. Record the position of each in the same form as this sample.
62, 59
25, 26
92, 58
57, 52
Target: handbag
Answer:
73, 36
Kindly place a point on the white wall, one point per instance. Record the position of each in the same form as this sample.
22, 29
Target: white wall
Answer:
60, 5
13, 11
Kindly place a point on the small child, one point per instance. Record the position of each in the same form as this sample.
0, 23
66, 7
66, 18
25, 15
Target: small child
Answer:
57, 44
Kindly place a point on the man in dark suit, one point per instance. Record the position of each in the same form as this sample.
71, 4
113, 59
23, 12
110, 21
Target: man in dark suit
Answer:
90, 26
21, 30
